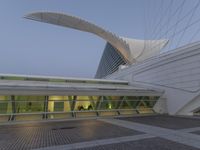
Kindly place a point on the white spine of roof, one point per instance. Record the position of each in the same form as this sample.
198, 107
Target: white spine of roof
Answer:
132, 50
69, 21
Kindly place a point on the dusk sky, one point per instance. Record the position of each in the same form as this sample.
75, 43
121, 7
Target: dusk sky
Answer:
34, 48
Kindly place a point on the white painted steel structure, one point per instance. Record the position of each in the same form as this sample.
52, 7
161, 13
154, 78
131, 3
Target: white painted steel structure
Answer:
24, 98
173, 75
176, 72
46, 85
130, 50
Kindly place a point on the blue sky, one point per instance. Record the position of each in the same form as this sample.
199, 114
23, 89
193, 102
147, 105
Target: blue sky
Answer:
35, 48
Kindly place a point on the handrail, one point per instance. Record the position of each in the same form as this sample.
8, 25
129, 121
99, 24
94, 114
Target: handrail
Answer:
84, 111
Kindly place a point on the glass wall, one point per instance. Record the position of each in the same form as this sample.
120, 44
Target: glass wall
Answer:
196, 112
29, 104
18, 108
110, 61
5, 108
29, 107
5, 105
59, 107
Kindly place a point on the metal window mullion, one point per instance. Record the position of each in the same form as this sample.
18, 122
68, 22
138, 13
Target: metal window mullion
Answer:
73, 106
120, 105
12, 116
46, 107
98, 108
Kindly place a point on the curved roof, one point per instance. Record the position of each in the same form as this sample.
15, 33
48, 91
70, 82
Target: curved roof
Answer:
132, 50
66, 20
143, 49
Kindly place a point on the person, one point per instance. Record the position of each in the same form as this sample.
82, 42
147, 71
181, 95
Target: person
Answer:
90, 107
80, 107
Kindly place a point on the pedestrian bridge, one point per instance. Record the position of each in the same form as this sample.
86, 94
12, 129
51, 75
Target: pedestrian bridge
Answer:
34, 98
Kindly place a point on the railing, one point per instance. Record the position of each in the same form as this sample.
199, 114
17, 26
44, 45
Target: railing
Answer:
46, 110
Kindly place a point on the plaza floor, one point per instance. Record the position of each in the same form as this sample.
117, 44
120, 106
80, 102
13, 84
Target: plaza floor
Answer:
155, 132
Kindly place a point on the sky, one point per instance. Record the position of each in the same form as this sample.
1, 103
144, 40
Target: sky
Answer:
34, 48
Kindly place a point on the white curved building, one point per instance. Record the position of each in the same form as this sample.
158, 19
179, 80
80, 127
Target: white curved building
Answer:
176, 72
137, 79
118, 50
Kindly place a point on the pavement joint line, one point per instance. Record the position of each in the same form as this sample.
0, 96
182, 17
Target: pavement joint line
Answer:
169, 134
190, 129
98, 142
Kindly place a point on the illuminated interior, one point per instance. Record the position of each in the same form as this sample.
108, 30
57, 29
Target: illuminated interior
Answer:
49, 98
17, 108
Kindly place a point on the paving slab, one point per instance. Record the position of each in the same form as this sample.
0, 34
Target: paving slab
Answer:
37, 135
164, 121
196, 132
96, 143
190, 130
168, 134
144, 144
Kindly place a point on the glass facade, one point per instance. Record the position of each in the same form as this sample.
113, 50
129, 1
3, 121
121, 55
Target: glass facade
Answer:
22, 108
196, 112
110, 61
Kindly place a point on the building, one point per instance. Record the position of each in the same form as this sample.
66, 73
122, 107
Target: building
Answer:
134, 78
44, 98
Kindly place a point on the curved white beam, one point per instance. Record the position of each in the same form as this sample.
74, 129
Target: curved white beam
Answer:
83, 25
132, 50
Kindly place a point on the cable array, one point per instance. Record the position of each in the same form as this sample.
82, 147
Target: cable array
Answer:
177, 21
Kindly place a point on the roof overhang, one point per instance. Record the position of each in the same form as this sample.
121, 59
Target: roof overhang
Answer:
41, 85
